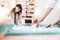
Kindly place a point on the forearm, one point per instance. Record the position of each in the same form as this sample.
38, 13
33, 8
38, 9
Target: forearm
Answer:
45, 13
2, 35
56, 19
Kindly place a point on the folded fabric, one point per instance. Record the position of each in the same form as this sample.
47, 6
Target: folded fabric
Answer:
6, 26
14, 29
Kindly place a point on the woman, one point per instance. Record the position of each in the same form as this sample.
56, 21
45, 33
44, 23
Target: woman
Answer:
51, 5
17, 11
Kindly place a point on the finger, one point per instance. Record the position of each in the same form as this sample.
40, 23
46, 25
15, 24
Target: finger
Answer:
48, 26
35, 21
37, 25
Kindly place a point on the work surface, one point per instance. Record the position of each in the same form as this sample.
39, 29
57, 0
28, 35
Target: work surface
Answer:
34, 37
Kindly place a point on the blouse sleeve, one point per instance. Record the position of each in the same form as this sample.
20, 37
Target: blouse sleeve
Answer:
51, 3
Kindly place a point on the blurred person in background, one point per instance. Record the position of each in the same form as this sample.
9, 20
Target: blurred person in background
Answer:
16, 13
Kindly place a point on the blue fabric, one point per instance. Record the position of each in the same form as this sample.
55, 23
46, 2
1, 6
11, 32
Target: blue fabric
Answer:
42, 24
31, 30
54, 30
6, 26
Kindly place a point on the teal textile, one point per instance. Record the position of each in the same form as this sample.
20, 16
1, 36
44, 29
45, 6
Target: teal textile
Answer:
31, 30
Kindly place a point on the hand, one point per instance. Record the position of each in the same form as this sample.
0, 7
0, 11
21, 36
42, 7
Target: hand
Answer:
37, 21
5, 31
2, 35
49, 25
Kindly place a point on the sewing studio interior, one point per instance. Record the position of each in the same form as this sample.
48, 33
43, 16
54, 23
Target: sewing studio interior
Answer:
29, 19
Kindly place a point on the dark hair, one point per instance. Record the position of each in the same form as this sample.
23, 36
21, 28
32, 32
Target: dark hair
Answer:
19, 6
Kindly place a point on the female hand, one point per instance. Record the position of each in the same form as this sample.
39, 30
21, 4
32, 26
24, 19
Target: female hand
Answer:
2, 34
37, 21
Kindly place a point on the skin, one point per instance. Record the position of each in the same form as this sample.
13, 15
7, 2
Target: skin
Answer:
2, 35
4, 19
55, 20
47, 11
36, 21
17, 9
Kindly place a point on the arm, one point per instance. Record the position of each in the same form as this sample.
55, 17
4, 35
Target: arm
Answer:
50, 5
45, 14
54, 21
36, 21
2, 35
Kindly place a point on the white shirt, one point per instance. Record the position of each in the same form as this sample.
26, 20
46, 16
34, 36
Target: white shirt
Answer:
55, 4
52, 3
